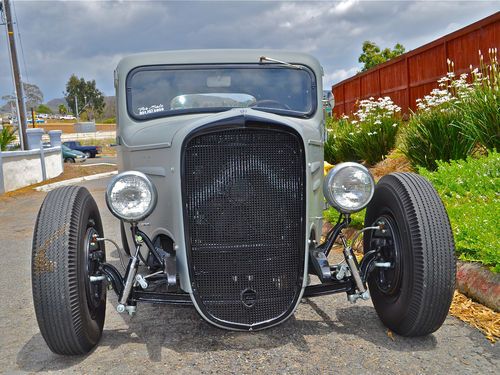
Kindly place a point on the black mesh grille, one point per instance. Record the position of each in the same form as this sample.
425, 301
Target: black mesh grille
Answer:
244, 207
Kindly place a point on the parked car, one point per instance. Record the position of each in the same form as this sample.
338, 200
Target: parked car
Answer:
37, 121
68, 117
227, 167
89, 151
72, 156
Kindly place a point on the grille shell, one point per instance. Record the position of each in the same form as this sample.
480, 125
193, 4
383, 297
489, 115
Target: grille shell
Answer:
244, 215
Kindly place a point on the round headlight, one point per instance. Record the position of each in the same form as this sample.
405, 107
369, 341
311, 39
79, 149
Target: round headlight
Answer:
348, 187
131, 196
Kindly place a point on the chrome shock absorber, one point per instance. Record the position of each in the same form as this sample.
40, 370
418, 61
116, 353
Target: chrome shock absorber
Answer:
349, 256
130, 275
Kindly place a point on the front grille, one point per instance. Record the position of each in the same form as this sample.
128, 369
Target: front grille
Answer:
244, 200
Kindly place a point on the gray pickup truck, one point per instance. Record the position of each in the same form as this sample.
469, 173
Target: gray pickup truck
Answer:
221, 151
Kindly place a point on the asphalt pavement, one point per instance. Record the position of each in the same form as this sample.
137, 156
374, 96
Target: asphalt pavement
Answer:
326, 335
100, 160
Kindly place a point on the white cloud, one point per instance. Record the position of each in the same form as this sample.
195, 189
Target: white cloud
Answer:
88, 38
339, 75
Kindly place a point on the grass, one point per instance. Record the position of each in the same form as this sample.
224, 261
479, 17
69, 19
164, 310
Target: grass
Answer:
470, 190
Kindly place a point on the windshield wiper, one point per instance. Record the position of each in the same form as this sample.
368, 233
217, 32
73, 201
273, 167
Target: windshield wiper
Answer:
265, 58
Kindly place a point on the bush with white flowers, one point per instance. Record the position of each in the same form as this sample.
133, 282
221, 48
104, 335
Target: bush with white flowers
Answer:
459, 118
368, 136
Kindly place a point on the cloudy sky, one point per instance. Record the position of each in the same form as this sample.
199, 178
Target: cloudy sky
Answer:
89, 38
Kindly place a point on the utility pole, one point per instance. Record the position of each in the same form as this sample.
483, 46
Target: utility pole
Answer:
21, 114
76, 108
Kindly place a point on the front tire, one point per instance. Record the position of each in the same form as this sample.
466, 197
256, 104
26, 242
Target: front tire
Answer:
413, 297
69, 309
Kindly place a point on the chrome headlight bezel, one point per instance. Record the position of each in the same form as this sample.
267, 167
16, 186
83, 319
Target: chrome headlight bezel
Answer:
328, 184
150, 186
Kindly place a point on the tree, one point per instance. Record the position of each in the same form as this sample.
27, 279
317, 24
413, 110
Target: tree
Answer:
33, 95
90, 98
372, 55
10, 100
42, 108
62, 109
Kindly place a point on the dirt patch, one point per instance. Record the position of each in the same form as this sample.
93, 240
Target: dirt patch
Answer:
483, 318
395, 162
69, 128
70, 171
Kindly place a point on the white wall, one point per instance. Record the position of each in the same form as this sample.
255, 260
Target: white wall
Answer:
23, 168
53, 163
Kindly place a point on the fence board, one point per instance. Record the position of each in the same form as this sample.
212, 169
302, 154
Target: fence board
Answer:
414, 74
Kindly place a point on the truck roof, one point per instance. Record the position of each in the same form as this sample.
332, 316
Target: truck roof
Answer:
217, 56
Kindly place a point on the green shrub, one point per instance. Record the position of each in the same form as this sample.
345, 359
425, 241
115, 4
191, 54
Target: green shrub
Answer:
338, 147
457, 119
480, 108
7, 135
470, 191
368, 137
434, 135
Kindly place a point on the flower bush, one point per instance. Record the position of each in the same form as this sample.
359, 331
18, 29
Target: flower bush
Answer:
457, 118
368, 136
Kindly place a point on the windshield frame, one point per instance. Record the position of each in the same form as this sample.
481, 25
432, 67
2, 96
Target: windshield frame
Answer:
189, 111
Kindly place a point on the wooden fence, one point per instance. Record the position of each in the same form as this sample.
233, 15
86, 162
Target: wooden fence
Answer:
414, 74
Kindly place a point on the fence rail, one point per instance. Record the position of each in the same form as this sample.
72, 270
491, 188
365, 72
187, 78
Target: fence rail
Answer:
414, 74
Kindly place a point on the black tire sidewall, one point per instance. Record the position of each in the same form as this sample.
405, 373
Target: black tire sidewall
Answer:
91, 328
392, 309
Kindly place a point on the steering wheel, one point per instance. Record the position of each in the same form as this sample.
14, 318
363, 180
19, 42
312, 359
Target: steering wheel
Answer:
270, 103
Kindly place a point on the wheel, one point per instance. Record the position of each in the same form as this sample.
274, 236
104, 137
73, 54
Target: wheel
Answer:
88, 154
69, 160
412, 297
69, 308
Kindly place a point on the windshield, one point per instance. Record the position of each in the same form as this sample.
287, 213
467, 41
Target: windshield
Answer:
165, 91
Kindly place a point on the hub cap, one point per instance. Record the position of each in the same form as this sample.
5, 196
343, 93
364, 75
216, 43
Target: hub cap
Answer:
387, 242
93, 256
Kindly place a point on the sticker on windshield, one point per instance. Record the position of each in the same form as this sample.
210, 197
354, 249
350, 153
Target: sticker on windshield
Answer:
152, 109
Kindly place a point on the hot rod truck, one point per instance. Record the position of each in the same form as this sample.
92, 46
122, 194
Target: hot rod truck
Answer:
220, 199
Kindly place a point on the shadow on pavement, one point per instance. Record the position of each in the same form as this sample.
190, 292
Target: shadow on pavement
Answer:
363, 322
182, 330
36, 356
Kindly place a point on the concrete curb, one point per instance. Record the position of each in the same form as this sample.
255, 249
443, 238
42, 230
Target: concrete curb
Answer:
479, 283
97, 164
71, 181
